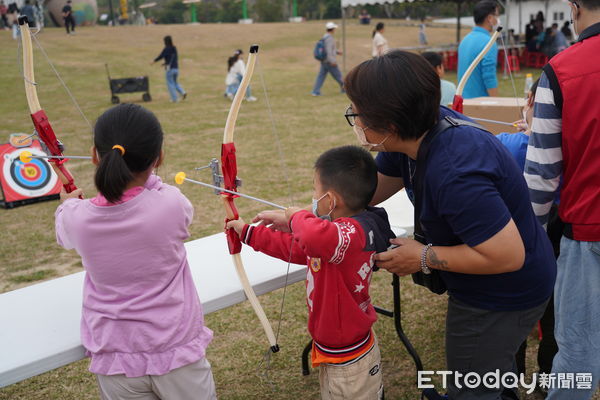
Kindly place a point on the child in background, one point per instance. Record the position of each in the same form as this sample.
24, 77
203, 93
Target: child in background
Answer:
380, 44
448, 88
338, 241
517, 142
142, 322
422, 35
235, 72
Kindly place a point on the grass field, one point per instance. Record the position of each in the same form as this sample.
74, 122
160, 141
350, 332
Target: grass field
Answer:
277, 146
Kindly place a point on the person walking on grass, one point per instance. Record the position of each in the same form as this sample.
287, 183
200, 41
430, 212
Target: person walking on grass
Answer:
338, 241
142, 322
235, 73
329, 64
422, 34
380, 44
67, 13
169, 55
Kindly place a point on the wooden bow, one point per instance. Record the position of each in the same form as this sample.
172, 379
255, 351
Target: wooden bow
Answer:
457, 103
230, 182
50, 144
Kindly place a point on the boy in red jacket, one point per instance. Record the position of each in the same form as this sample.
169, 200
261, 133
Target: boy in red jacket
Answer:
337, 241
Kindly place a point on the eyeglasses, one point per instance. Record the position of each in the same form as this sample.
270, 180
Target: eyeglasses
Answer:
350, 116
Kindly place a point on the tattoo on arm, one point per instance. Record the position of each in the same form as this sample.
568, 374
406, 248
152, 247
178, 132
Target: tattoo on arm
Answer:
435, 262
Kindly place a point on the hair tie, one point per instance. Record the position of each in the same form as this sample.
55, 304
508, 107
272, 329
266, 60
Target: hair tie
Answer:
120, 148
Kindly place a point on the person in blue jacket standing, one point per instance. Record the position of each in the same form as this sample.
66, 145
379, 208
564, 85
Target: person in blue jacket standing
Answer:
483, 81
169, 54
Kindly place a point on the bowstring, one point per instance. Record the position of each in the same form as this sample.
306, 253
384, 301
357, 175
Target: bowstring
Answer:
34, 36
284, 170
509, 67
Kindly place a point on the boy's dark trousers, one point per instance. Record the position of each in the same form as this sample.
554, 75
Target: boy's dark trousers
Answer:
70, 22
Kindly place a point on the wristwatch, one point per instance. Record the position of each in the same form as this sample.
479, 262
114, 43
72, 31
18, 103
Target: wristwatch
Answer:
424, 267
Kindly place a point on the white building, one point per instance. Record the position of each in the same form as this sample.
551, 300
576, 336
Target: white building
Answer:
517, 14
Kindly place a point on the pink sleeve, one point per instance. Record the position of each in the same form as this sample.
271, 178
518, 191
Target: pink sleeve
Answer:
61, 214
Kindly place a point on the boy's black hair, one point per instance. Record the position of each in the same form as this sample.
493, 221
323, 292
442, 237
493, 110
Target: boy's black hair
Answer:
138, 131
483, 9
351, 172
168, 41
433, 58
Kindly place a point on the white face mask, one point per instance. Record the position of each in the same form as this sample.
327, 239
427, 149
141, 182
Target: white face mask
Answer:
315, 204
362, 139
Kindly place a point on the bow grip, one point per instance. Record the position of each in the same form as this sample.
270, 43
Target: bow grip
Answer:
457, 103
233, 240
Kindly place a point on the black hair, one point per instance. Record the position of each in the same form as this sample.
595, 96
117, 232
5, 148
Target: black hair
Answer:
482, 9
435, 59
168, 41
378, 27
136, 129
233, 59
351, 172
397, 92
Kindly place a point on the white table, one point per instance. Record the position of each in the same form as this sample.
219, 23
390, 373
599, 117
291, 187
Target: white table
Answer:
39, 324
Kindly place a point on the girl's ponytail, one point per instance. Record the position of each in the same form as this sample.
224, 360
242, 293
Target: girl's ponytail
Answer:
112, 175
128, 139
378, 27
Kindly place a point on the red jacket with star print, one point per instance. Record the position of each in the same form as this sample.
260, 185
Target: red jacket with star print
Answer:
339, 256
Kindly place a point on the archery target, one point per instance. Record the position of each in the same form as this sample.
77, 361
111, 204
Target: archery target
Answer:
32, 179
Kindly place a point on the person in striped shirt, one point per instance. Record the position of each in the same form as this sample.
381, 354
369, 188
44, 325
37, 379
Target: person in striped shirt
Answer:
564, 151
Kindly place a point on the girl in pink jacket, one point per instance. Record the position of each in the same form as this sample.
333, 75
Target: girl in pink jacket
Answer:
142, 322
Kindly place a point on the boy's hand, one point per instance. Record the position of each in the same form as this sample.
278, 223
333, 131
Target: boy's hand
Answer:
237, 225
402, 260
277, 220
73, 195
521, 125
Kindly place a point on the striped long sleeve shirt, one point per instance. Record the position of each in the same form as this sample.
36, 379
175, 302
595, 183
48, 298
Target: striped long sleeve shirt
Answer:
544, 161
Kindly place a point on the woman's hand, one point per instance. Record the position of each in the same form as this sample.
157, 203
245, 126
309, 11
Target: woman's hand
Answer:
402, 260
75, 194
237, 225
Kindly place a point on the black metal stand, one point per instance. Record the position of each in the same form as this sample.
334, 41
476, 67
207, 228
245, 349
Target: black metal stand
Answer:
396, 314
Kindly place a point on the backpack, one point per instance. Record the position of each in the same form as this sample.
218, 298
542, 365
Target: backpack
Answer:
319, 52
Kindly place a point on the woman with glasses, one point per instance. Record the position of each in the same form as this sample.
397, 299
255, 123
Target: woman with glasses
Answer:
480, 235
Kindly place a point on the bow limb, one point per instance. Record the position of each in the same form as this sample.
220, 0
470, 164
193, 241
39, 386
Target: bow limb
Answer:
457, 104
229, 165
44, 130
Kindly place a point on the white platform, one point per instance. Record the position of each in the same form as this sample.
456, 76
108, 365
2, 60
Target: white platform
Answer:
39, 324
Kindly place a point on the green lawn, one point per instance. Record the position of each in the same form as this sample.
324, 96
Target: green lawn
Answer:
276, 150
